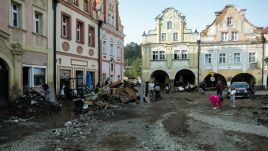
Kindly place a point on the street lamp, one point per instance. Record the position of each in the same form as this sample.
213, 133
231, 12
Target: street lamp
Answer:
263, 51
198, 59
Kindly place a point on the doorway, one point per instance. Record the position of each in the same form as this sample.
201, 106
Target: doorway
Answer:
4, 72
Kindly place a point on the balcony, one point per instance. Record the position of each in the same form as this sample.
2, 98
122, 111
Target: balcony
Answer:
17, 35
40, 41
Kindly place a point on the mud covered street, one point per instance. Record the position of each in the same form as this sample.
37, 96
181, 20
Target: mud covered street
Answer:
180, 121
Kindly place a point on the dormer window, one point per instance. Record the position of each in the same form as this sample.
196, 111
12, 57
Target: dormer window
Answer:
229, 21
169, 24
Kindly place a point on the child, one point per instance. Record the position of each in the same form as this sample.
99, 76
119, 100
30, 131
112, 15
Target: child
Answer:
232, 92
216, 101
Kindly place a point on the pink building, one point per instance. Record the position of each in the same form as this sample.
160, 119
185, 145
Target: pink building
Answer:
111, 41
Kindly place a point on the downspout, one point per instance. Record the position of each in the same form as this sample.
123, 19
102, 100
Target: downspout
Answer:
100, 52
55, 2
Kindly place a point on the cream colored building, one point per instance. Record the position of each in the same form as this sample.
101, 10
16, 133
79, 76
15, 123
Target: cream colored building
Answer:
265, 36
25, 46
232, 49
77, 44
169, 52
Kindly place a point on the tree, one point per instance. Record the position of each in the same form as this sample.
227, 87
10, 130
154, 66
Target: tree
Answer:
132, 52
136, 68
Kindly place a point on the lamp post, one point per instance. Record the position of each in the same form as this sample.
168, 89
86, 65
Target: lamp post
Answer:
198, 60
263, 51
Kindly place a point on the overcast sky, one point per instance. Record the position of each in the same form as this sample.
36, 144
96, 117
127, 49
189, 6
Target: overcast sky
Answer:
138, 16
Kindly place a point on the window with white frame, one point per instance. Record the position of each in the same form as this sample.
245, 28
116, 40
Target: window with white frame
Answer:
118, 54
222, 58
39, 76
161, 55
155, 55
15, 14
33, 75
169, 25
207, 58
184, 54
252, 57
78, 32
163, 36
234, 36
175, 36
229, 21
112, 49
104, 47
37, 22
66, 26
224, 36
176, 54
237, 58
91, 36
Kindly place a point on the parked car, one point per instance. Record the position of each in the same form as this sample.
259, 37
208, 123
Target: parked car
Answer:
241, 89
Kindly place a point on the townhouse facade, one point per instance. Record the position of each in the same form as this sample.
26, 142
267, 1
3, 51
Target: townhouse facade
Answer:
169, 52
25, 46
111, 42
77, 44
232, 49
265, 41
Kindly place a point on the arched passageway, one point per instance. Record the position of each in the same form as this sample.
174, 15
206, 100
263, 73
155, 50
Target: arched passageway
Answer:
4, 72
244, 77
160, 77
211, 81
183, 77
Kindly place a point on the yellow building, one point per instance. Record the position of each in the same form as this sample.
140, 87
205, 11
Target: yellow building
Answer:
232, 49
169, 52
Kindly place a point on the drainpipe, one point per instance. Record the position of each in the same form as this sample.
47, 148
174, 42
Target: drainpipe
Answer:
198, 61
55, 2
262, 62
99, 47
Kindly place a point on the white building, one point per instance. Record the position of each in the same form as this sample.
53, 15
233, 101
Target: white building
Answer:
232, 49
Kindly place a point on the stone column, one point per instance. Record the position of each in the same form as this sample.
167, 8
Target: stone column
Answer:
17, 52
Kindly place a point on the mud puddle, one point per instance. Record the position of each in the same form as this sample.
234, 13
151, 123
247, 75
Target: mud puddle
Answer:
15, 131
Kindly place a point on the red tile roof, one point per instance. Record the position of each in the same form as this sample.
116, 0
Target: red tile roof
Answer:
265, 30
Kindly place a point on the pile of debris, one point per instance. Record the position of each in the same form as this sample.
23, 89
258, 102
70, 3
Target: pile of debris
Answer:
108, 96
33, 103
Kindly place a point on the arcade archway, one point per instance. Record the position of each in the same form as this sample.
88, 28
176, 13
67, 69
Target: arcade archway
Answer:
4, 72
244, 77
212, 81
160, 77
183, 77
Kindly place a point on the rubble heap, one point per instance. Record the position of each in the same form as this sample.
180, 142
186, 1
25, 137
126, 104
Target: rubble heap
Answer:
108, 96
31, 104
